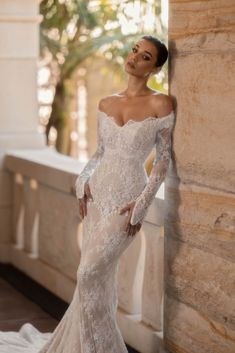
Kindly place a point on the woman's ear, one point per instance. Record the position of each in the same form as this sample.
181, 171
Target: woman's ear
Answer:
156, 70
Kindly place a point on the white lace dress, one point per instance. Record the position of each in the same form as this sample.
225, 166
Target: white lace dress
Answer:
116, 177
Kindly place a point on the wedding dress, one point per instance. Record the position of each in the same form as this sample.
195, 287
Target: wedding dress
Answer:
116, 176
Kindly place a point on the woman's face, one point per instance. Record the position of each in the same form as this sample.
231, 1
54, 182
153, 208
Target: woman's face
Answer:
141, 61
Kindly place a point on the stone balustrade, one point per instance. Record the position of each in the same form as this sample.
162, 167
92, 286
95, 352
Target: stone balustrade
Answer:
47, 236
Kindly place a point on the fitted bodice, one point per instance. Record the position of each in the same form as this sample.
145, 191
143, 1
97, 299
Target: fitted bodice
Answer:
116, 171
119, 176
132, 141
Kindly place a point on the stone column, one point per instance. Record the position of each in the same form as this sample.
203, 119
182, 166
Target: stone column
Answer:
200, 197
19, 44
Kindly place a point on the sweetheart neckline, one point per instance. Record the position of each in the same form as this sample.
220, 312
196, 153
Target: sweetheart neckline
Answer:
110, 117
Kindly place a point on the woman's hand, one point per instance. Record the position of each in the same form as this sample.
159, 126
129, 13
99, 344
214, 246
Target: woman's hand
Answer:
83, 201
129, 228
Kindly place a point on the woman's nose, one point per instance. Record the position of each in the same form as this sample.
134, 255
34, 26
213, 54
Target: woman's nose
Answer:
135, 57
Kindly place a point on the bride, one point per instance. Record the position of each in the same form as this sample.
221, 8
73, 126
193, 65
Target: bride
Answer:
114, 194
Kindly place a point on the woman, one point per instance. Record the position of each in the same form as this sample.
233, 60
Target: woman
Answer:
114, 194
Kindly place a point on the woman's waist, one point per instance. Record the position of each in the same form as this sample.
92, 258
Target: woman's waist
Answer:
114, 187
118, 154
127, 166
119, 174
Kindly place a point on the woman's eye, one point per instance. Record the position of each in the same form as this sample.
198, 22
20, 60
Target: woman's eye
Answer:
146, 57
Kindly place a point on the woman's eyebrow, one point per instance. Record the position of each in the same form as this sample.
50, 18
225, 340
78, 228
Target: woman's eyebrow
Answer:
137, 45
148, 53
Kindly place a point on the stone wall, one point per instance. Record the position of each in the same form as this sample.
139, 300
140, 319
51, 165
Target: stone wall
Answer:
19, 43
200, 208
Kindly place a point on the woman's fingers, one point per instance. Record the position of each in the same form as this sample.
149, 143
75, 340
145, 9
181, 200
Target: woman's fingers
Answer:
80, 208
88, 192
87, 195
127, 224
128, 227
124, 209
133, 229
83, 206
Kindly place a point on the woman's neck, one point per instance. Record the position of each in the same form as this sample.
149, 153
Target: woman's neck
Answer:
136, 87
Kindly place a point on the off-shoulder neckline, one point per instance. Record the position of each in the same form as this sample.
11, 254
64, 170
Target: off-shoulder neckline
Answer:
112, 118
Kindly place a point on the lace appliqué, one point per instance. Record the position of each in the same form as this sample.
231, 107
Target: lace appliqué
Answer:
89, 168
159, 169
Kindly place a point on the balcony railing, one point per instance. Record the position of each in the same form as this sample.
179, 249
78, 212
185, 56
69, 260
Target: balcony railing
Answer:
47, 237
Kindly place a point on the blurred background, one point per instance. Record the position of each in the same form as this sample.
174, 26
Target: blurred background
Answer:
83, 45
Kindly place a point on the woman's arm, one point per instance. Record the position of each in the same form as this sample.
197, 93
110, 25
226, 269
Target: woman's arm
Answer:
159, 169
89, 168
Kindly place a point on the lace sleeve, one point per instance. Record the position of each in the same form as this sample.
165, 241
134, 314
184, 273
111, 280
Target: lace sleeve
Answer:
159, 168
89, 168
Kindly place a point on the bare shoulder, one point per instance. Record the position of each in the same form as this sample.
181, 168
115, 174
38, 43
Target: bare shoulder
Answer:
163, 104
105, 102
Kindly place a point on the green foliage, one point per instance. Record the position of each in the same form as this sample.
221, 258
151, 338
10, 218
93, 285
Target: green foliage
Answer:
67, 30
73, 30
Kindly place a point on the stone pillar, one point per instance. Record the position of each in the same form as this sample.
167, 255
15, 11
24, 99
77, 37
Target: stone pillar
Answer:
200, 201
19, 44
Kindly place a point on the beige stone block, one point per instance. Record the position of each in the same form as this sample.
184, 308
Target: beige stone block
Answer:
14, 33
201, 280
26, 139
191, 18
191, 331
46, 165
209, 43
5, 224
203, 137
19, 111
5, 188
152, 293
18, 209
41, 272
138, 335
19, 29
31, 215
202, 217
58, 230
22, 7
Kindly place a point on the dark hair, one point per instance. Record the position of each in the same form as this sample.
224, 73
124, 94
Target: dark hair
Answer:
162, 52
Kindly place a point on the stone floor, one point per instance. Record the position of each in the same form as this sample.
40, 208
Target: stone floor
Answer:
22, 310
14, 290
